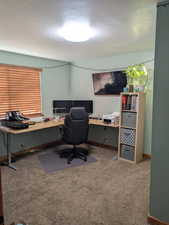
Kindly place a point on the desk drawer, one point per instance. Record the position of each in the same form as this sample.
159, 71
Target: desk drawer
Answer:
127, 136
129, 119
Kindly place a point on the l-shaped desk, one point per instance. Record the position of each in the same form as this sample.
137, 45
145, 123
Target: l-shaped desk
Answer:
40, 126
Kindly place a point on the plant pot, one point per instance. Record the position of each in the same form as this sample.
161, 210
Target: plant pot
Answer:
131, 87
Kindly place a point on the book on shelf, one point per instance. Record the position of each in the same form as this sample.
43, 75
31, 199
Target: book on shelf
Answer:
137, 104
130, 102
124, 102
134, 103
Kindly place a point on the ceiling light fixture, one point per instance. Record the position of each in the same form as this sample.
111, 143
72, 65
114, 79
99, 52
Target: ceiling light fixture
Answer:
76, 32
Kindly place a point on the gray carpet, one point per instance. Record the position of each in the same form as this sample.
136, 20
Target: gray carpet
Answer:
107, 192
51, 162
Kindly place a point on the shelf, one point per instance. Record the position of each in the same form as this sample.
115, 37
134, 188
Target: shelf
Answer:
131, 93
127, 160
129, 111
127, 145
128, 127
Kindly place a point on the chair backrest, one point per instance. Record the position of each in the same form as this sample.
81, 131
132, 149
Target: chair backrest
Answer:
76, 126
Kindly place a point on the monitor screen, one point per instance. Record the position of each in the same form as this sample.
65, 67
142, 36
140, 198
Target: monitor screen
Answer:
62, 106
87, 104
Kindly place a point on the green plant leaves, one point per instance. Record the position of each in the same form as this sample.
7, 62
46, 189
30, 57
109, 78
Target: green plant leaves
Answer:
137, 74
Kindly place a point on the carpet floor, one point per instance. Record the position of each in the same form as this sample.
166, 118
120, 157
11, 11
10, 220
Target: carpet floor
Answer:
106, 192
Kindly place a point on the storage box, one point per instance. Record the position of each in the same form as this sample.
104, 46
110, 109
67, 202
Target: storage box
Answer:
127, 152
127, 136
129, 119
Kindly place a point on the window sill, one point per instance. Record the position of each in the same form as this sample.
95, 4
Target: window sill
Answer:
34, 115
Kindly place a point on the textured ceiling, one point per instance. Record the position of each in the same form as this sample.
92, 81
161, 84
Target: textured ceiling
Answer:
30, 27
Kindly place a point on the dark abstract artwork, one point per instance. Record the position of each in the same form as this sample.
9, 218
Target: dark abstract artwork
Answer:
109, 83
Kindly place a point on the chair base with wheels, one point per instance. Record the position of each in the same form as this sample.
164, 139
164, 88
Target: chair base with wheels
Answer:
75, 152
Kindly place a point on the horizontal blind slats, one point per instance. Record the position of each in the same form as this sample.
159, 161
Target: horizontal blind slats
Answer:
19, 89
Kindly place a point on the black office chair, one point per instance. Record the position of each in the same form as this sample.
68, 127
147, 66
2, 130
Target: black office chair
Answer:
75, 132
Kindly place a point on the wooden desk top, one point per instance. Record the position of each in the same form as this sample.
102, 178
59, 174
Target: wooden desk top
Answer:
100, 123
49, 124
35, 127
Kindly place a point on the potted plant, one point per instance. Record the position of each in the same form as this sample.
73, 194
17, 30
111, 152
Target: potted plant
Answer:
136, 76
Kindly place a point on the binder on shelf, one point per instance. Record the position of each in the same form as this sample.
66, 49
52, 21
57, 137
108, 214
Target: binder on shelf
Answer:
124, 102
137, 104
129, 101
134, 103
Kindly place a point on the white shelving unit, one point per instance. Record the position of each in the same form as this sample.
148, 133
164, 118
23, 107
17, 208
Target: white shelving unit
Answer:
131, 127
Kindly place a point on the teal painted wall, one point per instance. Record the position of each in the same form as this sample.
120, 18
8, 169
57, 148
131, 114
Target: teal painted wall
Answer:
54, 81
82, 88
159, 188
55, 84
69, 82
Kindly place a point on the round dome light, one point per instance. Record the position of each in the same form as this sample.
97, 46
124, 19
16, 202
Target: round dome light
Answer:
76, 32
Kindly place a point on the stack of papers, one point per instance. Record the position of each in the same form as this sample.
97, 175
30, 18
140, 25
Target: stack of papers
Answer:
37, 119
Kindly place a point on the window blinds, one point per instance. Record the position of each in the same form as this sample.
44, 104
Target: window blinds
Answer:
19, 90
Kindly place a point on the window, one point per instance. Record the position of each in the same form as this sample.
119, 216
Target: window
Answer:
19, 90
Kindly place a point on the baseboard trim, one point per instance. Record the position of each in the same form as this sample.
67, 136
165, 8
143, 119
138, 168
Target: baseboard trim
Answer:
146, 156
154, 221
33, 149
102, 145
59, 142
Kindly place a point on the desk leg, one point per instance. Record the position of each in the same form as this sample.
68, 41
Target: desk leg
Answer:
9, 162
1, 203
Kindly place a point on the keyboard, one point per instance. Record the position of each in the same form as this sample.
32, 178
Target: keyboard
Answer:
14, 124
37, 119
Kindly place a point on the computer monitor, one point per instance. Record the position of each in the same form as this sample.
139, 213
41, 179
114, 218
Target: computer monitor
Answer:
87, 104
62, 106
